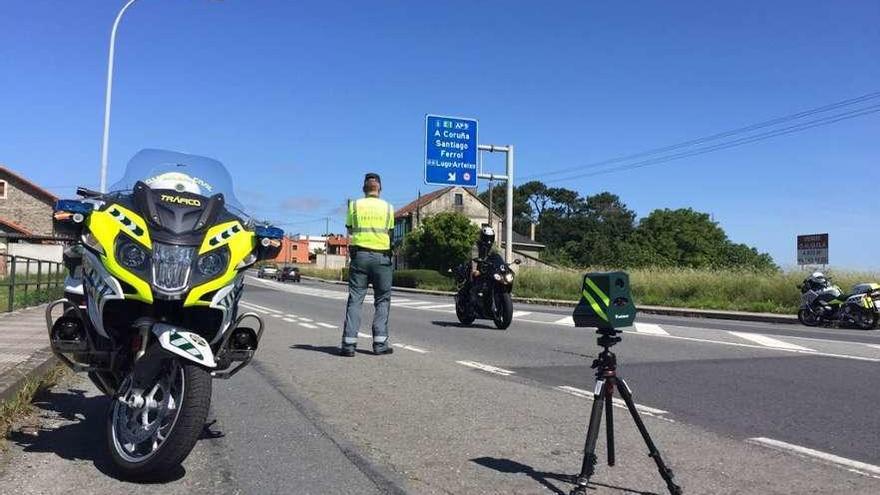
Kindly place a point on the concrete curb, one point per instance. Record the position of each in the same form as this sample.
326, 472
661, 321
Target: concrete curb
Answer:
33, 368
654, 310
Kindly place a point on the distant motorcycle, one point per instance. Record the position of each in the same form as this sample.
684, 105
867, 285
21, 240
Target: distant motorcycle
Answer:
823, 303
485, 293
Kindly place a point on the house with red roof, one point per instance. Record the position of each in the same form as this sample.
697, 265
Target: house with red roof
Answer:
25, 207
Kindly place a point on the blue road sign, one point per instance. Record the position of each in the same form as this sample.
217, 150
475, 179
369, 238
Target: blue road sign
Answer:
450, 151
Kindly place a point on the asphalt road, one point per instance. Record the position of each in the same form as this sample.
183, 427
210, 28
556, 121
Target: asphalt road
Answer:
734, 407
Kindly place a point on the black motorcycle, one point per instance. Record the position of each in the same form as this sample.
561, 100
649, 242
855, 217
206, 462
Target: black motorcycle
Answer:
484, 291
827, 305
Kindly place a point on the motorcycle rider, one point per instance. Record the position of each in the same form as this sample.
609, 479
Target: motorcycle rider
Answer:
486, 257
826, 293
817, 281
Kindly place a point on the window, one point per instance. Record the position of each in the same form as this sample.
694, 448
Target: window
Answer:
459, 199
2, 189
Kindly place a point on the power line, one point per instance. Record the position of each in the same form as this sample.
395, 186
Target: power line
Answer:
851, 114
714, 137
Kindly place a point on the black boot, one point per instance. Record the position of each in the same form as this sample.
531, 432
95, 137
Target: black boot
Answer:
347, 351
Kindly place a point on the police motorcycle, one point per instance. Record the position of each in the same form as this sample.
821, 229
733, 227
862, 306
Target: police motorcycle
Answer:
151, 310
485, 285
823, 303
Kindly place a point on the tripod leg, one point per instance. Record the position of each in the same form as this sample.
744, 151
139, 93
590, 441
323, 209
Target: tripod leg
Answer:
665, 472
589, 463
609, 420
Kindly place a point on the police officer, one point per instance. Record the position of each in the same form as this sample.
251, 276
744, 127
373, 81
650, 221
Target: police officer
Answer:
369, 221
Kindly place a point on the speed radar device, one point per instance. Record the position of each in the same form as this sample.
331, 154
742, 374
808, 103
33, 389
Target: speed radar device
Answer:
606, 304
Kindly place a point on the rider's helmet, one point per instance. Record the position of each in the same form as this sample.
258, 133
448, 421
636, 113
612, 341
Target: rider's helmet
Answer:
818, 279
486, 240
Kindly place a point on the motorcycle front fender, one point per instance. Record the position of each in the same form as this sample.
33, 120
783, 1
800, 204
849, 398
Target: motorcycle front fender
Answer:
186, 344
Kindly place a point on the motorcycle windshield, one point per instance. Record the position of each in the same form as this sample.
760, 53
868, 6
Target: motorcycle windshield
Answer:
161, 169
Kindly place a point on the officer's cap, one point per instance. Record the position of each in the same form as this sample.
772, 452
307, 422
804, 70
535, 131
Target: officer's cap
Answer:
373, 176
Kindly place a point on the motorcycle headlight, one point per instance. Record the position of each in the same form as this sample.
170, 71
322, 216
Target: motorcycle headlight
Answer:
172, 266
211, 264
497, 276
132, 256
508, 277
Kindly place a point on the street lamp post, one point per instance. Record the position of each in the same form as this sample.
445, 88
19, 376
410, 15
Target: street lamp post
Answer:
109, 94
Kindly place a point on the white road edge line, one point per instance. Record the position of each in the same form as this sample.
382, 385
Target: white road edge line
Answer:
579, 392
411, 348
875, 346
486, 367
438, 306
770, 341
851, 465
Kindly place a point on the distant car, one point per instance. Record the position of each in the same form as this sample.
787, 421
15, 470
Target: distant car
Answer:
289, 273
267, 271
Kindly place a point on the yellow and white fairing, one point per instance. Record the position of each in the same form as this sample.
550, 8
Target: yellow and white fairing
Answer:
104, 272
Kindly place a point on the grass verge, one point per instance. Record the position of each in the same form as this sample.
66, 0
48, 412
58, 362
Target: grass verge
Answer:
21, 405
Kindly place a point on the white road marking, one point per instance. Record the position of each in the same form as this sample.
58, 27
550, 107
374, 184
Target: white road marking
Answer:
486, 367
291, 315
875, 346
650, 328
438, 306
308, 325
305, 319
264, 308
568, 321
770, 341
364, 336
849, 464
254, 309
291, 320
519, 314
588, 394
410, 304
326, 325
411, 348
276, 315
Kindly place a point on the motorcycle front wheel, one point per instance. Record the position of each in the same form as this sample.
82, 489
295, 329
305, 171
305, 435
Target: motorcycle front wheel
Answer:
808, 318
503, 313
155, 432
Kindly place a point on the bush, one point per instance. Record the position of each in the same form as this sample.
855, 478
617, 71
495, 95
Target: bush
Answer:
423, 279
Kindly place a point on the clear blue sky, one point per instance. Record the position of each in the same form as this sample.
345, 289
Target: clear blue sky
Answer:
299, 99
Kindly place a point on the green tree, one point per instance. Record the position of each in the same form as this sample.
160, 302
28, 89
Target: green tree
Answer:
441, 242
689, 238
522, 211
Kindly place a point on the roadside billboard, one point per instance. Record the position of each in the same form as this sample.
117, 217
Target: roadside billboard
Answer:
812, 249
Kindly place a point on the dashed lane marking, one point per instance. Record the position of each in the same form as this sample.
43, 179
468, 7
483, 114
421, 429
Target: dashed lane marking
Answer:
290, 320
862, 468
291, 315
307, 320
486, 367
579, 392
568, 321
258, 310
770, 341
257, 306
650, 328
308, 325
276, 315
325, 325
438, 306
517, 314
411, 348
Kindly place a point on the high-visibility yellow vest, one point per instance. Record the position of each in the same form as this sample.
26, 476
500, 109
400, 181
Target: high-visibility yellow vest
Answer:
369, 220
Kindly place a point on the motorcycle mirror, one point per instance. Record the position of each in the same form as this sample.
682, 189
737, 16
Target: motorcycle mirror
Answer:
517, 261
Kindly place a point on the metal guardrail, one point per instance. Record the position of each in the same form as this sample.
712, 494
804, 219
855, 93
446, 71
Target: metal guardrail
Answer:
21, 275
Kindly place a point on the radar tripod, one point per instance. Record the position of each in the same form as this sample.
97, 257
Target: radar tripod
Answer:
606, 381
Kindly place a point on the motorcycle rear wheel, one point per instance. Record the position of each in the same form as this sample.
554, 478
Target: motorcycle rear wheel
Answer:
867, 320
503, 310
157, 437
808, 318
464, 316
